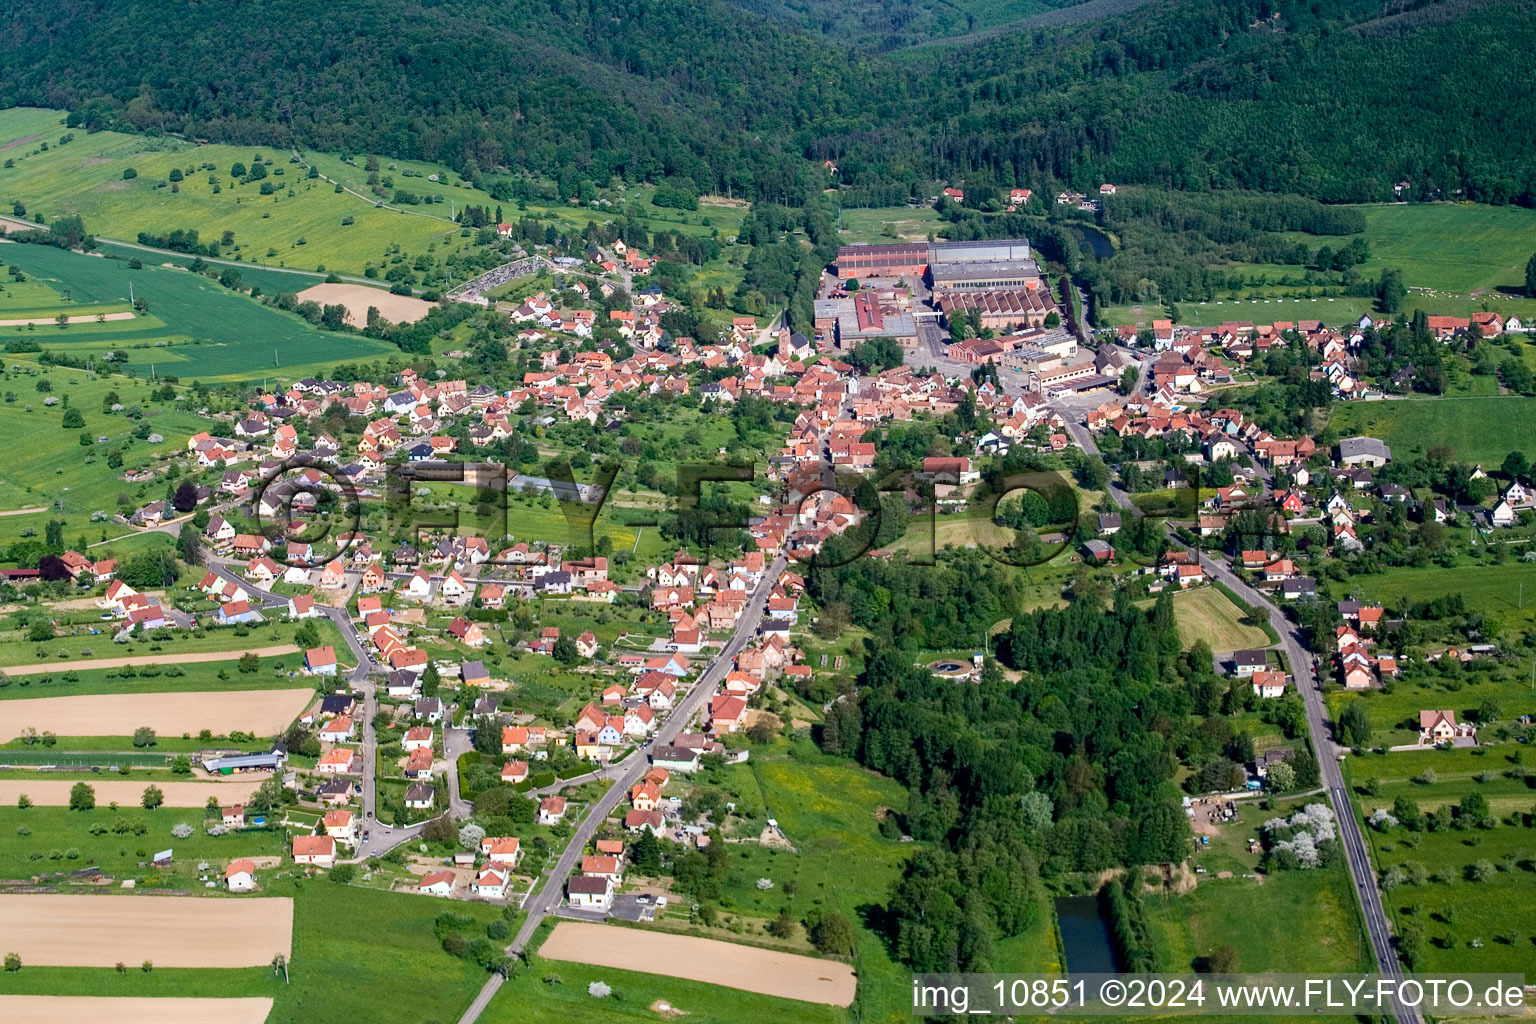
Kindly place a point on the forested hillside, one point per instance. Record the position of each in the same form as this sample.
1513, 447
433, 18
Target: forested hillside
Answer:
882, 25
1334, 100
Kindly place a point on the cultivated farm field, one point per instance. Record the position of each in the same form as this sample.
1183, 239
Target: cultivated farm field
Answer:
399, 309
196, 329
172, 931
261, 712
46, 792
713, 961
150, 1010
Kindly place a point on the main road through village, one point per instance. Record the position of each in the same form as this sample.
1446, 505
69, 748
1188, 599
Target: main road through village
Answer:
631, 770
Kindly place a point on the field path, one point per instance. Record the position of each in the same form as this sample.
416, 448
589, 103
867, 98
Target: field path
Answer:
121, 1010
749, 968
46, 792
25, 511
51, 930
260, 712
83, 318
276, 650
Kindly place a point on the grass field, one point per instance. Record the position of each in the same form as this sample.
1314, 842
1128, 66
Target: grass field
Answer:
1458, 258
1207, 614
49, 468
827, 805
301, 220
196, 328
1468, 925
356, 951
555, 992
1412, 426
889, 224
1394, 716
52, 831
14, 651
201, 676
1294, 921
1455, 247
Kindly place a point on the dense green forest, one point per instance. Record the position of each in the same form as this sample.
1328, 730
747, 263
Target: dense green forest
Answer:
1069, 769
1334, 100
881, 25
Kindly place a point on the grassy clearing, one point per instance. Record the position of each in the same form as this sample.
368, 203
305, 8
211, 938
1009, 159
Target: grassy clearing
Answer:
827, 807
551, 992
1412, 426
1468, 925
297, 225
198, 329
889, 224
274, 674
1459, 247
1494, 590
1293, 921
1207, 614
30, 839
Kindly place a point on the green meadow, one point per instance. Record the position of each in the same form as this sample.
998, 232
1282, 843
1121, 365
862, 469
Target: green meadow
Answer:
1452, 247
1412, 426
30, 839
1293, 921
1467, 889
273, 674
300, 224
827, 807
888, 224
1458, 259
195, 328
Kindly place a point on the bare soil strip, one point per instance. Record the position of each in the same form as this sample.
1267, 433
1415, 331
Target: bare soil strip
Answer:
78, 318
400, 309
128, 792
260, 712
276, 650
150, 1010
748, 968
172, 931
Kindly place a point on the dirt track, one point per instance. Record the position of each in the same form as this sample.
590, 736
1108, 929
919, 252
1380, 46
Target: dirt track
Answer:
152, 1010
400, 309
274, 651
748, 968
262, 712
173, 931
82, 318
127, 792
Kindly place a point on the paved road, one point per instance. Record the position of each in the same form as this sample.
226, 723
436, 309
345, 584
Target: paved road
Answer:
634, 767
381, 837
1305, 678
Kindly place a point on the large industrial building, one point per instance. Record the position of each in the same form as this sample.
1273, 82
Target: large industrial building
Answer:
1011, 256
907, 259
864, 316
993, 251
1006, 309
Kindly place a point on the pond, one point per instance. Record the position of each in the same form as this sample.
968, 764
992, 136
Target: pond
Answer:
1095, 241
1085, 936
